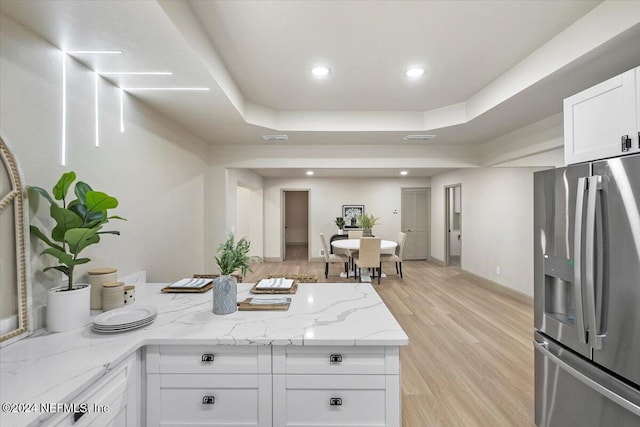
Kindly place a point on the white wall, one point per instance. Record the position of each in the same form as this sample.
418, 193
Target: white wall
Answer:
497, 223
249, 219
326, 197
155, 169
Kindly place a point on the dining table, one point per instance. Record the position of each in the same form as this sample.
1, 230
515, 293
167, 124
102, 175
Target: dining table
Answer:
354, 245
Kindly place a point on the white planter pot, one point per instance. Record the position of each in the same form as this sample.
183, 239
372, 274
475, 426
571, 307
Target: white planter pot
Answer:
68, 310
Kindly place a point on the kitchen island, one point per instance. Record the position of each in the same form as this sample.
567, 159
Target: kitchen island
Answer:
335, 351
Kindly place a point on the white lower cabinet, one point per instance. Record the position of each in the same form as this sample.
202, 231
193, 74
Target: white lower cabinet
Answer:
209, 400
209, 386
113, 400
336, 386
277, 386
331, 400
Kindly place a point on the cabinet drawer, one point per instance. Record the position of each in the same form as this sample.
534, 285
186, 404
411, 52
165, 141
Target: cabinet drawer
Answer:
211, 400
330, 400
329, 360
212, 360
103, 401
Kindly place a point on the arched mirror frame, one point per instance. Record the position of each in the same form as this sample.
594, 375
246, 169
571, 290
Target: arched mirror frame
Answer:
16, 198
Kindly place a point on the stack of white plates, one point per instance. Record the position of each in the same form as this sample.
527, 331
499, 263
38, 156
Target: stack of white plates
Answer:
124, 319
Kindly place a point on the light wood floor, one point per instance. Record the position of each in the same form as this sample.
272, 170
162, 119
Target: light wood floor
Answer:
297, 253
470, 357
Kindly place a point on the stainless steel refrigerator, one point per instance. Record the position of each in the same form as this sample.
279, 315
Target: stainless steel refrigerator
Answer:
587, 294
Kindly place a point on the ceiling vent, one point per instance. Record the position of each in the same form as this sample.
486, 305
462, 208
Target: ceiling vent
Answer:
275, 137
418, 137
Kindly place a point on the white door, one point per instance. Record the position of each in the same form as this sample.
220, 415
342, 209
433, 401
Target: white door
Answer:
415, 222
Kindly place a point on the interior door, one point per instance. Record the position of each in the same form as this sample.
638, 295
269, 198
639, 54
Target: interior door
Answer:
617, 290
283, 239
415, 222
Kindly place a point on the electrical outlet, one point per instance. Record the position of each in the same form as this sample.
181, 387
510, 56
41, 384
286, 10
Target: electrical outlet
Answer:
321, 252
498, 270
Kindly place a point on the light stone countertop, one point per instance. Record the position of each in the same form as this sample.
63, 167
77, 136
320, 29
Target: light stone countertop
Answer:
49, 368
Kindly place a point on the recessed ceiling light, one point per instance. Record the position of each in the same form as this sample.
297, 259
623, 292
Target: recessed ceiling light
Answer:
403, 173
418, 137
309, 173
320, 71
415, 72
275, 137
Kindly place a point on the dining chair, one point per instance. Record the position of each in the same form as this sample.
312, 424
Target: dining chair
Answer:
398, 256
352, 252
369, 256
330, 258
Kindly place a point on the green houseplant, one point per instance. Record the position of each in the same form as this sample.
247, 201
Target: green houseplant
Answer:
232, 256
78, 225
340, 223
366, 222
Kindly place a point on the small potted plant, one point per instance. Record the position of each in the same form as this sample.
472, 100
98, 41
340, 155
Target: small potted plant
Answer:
231, 257
79, 225
340, 224
366, 222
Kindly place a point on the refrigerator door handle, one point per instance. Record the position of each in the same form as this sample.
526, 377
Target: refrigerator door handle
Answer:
596, 340
589, 382
577, 269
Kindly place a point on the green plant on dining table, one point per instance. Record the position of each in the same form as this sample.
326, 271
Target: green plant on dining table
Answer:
78, 223
233, 256
340, 222
367, 221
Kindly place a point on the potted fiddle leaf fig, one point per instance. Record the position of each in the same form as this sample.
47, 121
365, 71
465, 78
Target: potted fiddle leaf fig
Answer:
232, 256
78, 224
340, 224
366, 222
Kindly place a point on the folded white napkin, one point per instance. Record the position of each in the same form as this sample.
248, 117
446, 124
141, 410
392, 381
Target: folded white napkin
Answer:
191, 283
277, 283
268, 300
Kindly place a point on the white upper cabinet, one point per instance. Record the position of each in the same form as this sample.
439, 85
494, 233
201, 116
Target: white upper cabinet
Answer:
604, 120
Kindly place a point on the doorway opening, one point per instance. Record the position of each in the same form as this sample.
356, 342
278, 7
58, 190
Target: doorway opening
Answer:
295, 225
453, 225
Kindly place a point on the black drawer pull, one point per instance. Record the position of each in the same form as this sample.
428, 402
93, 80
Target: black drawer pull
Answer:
335, 358
77, 415
208, 400
208, 357
335, 401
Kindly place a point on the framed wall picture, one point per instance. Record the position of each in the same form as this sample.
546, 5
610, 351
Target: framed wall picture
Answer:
350, 213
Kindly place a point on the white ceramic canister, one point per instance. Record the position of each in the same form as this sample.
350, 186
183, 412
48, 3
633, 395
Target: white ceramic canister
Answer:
112, 295
98, 277
129, 294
